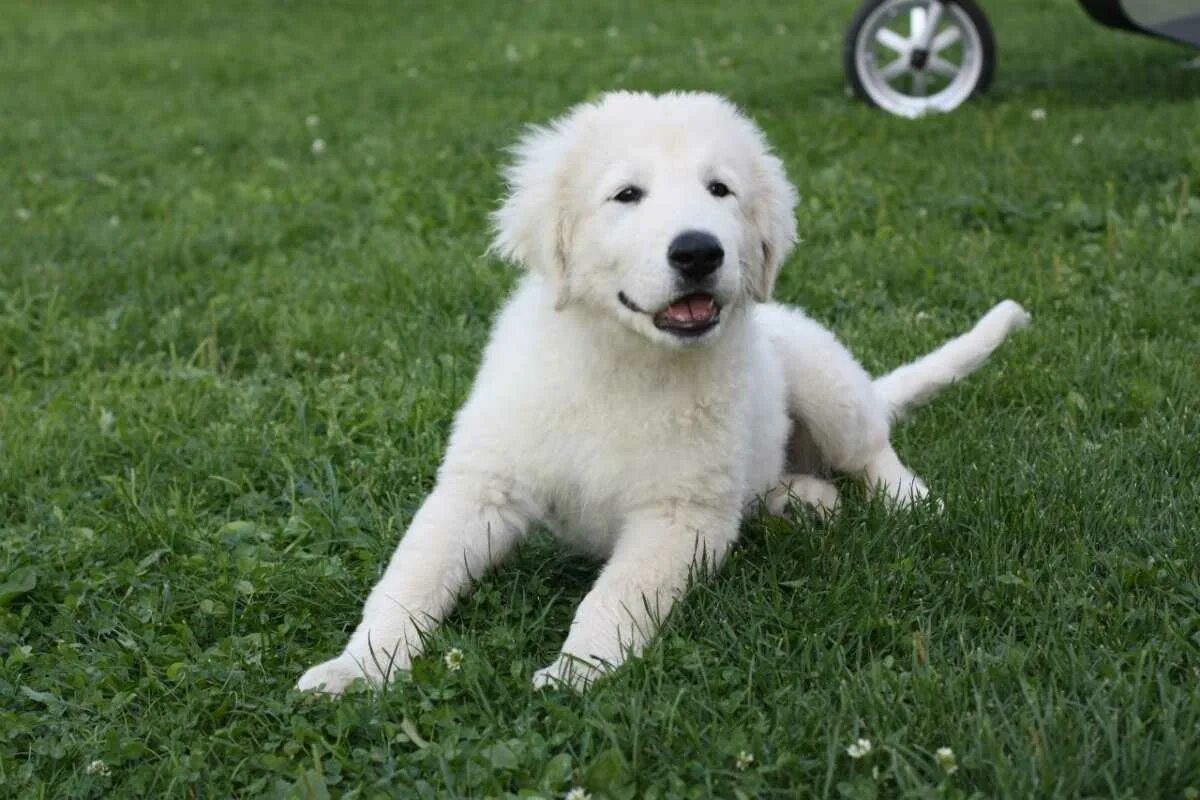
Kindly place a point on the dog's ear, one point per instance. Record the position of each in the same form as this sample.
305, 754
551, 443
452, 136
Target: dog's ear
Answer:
772, 222
532, 227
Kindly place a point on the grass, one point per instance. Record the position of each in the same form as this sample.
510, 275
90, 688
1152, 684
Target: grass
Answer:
228, 365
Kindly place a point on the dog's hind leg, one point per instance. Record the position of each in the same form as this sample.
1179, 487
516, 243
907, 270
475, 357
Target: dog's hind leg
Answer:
835, 407
818, 493
849, 415
466, 525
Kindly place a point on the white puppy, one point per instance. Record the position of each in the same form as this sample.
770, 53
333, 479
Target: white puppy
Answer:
639, 392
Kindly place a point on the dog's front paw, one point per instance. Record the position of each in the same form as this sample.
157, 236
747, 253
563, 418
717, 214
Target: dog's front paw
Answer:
333, 676
568, 671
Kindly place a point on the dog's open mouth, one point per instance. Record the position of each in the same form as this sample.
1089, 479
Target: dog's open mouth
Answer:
690, 315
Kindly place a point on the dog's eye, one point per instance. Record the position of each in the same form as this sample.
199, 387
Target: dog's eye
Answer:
718, 189
630, 194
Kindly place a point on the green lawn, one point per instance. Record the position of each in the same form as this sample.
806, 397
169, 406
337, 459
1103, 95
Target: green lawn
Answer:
228, 365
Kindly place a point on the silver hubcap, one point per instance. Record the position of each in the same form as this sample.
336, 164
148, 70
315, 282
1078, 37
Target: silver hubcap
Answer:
916, 56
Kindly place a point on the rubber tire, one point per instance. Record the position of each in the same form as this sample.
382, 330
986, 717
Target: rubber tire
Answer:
987, 41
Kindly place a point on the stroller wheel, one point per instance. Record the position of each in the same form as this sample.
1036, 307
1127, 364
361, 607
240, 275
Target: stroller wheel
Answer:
914, 57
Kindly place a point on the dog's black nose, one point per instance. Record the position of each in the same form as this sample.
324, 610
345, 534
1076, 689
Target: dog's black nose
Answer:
695, 254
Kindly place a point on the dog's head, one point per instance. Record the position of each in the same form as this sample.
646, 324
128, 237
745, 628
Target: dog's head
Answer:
661, 211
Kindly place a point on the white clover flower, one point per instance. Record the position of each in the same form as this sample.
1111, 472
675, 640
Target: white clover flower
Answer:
98, 767
578, 793
312, 120
945, 759
744, 760
453, 659
107, 420
114, 221
1038, 114
318, 146
1077, 139
859, 748
24, 214
511, 54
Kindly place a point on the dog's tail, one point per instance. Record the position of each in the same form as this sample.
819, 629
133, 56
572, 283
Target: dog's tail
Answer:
917, 382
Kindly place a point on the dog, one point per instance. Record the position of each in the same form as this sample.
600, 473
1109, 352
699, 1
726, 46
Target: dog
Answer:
640, 393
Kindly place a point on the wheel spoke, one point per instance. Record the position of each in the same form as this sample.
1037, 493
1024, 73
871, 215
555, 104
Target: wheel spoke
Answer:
941, 66
919, 83
894, 69
892, 40
932, 17
945, 39
916, 23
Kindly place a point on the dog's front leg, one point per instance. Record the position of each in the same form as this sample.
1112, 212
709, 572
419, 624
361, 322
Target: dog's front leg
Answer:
465, 526
654, 558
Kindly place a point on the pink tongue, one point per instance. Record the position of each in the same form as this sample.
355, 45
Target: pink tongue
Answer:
691, 309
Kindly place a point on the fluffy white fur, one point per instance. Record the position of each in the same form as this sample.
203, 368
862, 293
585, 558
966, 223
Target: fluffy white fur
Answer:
634, 444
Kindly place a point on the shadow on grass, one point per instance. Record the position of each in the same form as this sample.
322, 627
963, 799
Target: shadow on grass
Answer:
1138, 70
